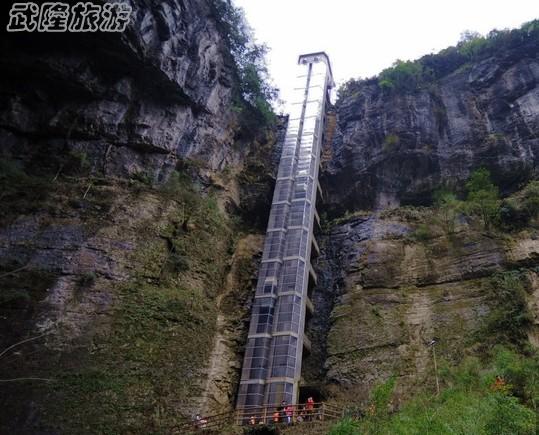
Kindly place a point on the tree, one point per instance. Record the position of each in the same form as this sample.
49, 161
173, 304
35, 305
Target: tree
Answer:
254, 90
531, 198
471, 44
483, 197
448, 207
403, 75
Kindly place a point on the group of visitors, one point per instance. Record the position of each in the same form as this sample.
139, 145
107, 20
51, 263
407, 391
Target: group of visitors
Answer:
285, 413
289, 414
200, 422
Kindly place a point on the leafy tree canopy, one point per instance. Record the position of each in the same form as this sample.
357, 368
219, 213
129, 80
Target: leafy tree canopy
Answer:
254, 93
408, 76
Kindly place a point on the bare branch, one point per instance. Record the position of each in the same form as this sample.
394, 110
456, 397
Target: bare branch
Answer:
15, 271
87, 190
26, 379
19, 343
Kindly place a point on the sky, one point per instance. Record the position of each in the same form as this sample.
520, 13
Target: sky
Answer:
362, 37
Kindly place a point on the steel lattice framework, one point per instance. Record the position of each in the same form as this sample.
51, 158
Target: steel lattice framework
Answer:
272, 364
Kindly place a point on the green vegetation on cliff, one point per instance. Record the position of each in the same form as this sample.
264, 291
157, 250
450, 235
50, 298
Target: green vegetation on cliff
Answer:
408, 76
472, 402
254, 92
141, 362
142, 375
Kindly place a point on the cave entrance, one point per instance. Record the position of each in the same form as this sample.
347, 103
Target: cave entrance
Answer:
306, 391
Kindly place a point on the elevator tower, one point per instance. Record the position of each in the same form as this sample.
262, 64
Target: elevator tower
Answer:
276, 341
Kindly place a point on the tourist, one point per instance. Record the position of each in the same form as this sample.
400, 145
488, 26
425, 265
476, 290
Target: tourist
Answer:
309, 408
200, 423
289, 411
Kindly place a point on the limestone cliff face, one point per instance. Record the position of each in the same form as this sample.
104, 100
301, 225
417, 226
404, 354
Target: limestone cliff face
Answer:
394, 148
134, 102
391, 279
121, 165
385, 294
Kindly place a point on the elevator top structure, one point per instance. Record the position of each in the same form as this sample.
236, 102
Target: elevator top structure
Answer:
317, 57
271, 369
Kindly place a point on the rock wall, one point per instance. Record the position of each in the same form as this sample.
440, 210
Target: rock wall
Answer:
391, 278
394, 148
123, 171
387, 289
135, 102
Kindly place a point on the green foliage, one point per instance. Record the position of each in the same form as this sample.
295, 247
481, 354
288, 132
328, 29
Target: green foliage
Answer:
179, 261
254, 93
422, 233
483, 198
140, 374
471, 44
403, 76
512, 216
508, 417
408, 76
142, 177
22, 191
509, 318
470, 404
87, 279
381, 396
349, 88
520, 372
465, 376
447, 208
76, 162
11, 295
517, 211
262, 430
531, 198
346, 426
390, 142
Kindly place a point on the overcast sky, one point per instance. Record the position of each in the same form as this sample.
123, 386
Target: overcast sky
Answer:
363, 37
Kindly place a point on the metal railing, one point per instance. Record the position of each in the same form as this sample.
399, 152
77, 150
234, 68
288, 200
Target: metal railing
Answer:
264, 415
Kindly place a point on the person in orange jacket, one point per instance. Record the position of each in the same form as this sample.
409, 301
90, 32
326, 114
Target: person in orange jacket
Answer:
276, 416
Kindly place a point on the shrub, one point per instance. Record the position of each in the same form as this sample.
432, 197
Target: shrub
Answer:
87, 279
520, 372
390, 142
411, 75
531, 198
447, 207
346, 426
422, 233
508, 417
471, 44
509, 318
179, 261
142, 177
512, 216
470, 405
403, 76
76, 162
483, 198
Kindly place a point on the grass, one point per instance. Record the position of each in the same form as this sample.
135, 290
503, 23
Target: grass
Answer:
471, 403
